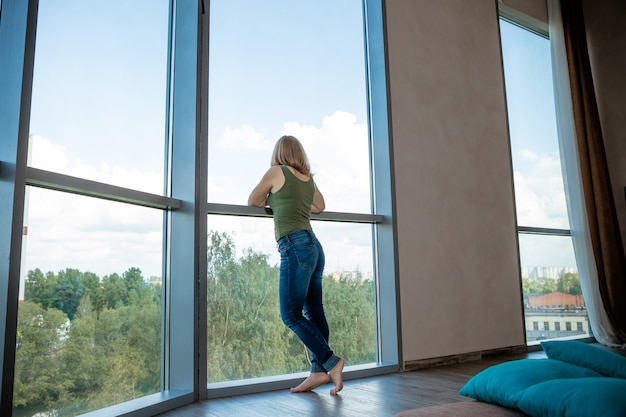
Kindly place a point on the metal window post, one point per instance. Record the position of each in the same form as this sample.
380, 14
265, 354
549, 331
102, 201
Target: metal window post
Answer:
17, 48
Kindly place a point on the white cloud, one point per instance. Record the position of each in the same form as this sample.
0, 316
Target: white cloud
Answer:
539, 192
244, 138
338, 151
47, 155
70, 231
106, 237
537, 250
528, 155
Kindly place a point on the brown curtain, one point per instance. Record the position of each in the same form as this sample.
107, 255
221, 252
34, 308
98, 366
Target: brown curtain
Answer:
606, 240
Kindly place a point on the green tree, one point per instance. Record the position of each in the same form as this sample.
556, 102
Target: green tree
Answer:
95, 292
130, 337
136, 287
351, 317
82, 358
113, 291
246, 337
272, 342
111, 351
41, 336
108, 353
221, 290
69, 291
63, 291
39, 288
538, 285
569, 283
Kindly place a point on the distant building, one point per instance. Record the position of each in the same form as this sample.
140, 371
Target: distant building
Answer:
555, 315
365, 276
553, 272
556, 300
542, 325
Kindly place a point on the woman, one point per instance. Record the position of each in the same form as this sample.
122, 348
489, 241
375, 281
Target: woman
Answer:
288, 188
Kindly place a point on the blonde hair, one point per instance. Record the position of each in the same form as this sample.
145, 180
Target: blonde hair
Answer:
289, 151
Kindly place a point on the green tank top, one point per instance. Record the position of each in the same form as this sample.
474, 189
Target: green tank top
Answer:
291, 204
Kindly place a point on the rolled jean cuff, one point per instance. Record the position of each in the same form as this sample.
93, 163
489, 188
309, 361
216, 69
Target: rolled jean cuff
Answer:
330, 363
316, 367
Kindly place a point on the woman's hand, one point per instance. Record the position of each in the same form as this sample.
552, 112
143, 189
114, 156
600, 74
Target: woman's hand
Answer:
319, 204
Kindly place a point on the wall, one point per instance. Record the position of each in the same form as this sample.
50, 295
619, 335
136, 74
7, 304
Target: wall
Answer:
457, 242
606, 39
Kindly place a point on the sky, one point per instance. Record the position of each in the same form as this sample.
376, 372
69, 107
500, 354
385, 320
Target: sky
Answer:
277, 67
538, 179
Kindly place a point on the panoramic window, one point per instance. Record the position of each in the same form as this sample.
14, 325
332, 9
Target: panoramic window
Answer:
126, 117
296, 69
550, 281
90, 315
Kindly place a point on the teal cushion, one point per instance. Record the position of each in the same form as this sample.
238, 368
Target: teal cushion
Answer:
500, 384
579, 397
589, 356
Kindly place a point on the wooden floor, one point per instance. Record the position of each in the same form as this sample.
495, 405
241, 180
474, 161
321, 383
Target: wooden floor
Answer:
378, 396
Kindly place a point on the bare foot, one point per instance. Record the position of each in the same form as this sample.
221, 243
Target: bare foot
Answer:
336, 375
314, 380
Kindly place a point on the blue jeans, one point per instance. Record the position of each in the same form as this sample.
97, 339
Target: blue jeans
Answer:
300, 294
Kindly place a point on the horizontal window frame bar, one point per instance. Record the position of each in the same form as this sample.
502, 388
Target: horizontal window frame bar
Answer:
543, 231
330, 216
60, 182
517, 18
146, 406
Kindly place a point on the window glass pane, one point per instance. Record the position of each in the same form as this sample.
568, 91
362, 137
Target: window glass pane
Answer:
298, 69
550, 282
89, 327
288, 68
99, 91
539, 191
246, 337
551, 288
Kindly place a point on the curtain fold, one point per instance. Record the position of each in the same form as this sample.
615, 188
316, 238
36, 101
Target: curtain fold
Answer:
595, 231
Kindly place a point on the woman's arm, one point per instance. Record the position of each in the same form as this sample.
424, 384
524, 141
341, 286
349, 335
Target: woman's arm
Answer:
319, 204
258, 196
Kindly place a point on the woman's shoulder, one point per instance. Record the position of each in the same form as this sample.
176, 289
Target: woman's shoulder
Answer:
297, 174
274, 176
276, 170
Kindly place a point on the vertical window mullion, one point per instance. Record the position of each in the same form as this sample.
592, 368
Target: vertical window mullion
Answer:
183, 233
382, 183
17, 48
